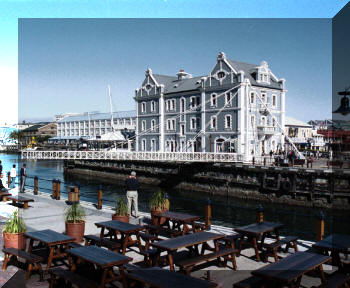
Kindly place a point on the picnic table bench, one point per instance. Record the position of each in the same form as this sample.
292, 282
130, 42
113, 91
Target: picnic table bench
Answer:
160, 278
96, 240
21, 200
4, 196
69, 277
271, 248
32, 261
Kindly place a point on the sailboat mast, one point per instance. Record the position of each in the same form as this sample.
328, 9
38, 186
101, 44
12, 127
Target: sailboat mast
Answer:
111, 108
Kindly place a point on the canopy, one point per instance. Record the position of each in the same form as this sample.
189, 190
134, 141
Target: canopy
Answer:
110, 136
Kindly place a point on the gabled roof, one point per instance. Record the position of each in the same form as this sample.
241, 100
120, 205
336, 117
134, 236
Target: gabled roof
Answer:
289, 121
34, 128
248, 70
99, 116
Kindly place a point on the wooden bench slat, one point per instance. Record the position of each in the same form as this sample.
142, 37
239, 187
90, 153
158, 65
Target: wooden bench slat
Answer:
73, 278
251, 282
203, 258
148, 237
22, 254
96, 240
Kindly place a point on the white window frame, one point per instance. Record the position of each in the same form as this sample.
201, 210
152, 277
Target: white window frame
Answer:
193, 102
143, 145
252, 121
264, 97
274, 99
274, 122
143, 107
250, 98
153, 145
193, 120
213, 100
168, 124
230, 121
172, 104
153, 106
143, 125
153, 124
182, 129
213, 127
173, 123
263, 121
182, 105
229, 102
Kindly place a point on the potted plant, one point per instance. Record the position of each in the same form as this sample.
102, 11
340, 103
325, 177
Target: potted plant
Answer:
158, 204
13, 232
75, 222
121, 211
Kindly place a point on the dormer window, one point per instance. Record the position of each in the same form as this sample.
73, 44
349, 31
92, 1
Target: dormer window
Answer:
148, 87
221, 75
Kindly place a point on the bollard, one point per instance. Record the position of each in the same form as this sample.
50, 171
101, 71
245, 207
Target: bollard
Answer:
260, 214
58, 189
208, 215
36, 185
320, 226
77, 194
53, 196
8, 179
99, 198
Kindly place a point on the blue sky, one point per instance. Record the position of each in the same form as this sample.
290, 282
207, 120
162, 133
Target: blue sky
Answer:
10, 11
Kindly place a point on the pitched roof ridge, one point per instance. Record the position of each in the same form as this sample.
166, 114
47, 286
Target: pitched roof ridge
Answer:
240, 62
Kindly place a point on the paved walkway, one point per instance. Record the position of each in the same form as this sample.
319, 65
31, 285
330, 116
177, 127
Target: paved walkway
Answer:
46, 213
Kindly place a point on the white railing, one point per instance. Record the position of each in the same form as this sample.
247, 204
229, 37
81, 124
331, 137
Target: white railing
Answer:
128, 155
263, 129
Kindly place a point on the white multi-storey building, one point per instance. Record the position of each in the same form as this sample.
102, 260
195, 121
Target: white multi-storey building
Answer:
237, 107
92, 125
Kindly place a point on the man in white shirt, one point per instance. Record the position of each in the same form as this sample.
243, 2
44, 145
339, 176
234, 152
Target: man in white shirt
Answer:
13, 175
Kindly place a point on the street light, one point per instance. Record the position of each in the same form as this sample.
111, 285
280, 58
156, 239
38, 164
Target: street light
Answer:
344, 108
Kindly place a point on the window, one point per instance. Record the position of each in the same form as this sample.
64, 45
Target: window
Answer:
263, 97
143, 145
183, 104
263, 121
198, 100
143, 125
193, 123
274, 122
172, 105
213, 122
228, 122
193, 103
153, 145
274, 100
252, 122
173, 124
182, 129
228, 99
167, 105
213, 100
148, 87
153, 106
153, 125
221, 74
143, 107
198, 124
252, 98
170, 124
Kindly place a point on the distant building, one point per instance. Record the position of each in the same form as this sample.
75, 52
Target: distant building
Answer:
237, 107
299, 132
22, 126
321, 124
33, 133
61, 116
93, 125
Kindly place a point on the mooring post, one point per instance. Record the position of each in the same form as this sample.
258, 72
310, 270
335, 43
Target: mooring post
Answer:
54, 184
320, 226
8, 179
99, 197
260, 214
77, 193
58, 189
208, 214
36, 185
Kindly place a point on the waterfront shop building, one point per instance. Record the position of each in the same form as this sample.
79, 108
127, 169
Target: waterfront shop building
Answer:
238, 108
298, 132
33, 133
95, 126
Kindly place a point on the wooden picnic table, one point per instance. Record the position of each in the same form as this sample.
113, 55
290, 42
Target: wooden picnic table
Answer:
335, 244
178, 220
190, 241
126, 230
4, 195
289, 270
256, 231
20, 199
104, 259
56, 242
161, 278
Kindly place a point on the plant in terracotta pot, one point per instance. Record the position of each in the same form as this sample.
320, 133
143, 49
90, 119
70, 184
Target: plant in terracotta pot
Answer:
13, 232
158, 204
121, 211
75, 222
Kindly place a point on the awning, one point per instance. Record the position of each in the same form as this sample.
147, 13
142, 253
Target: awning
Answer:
110, 136
56, 138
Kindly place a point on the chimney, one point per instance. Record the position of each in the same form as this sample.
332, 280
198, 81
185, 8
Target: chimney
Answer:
183, 75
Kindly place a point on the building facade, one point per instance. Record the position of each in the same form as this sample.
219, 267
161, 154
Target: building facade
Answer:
90, 125
37, 131
237, 107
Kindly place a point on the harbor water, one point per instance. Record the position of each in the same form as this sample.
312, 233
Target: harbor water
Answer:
229, 212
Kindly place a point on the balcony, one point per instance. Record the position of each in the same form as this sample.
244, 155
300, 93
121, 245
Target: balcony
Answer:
267, 131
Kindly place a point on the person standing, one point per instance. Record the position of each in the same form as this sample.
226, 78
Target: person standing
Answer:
13, 175
132, 186
23, 176
2, 187
0, 168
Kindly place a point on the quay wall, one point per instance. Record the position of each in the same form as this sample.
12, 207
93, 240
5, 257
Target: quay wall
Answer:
322, 188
